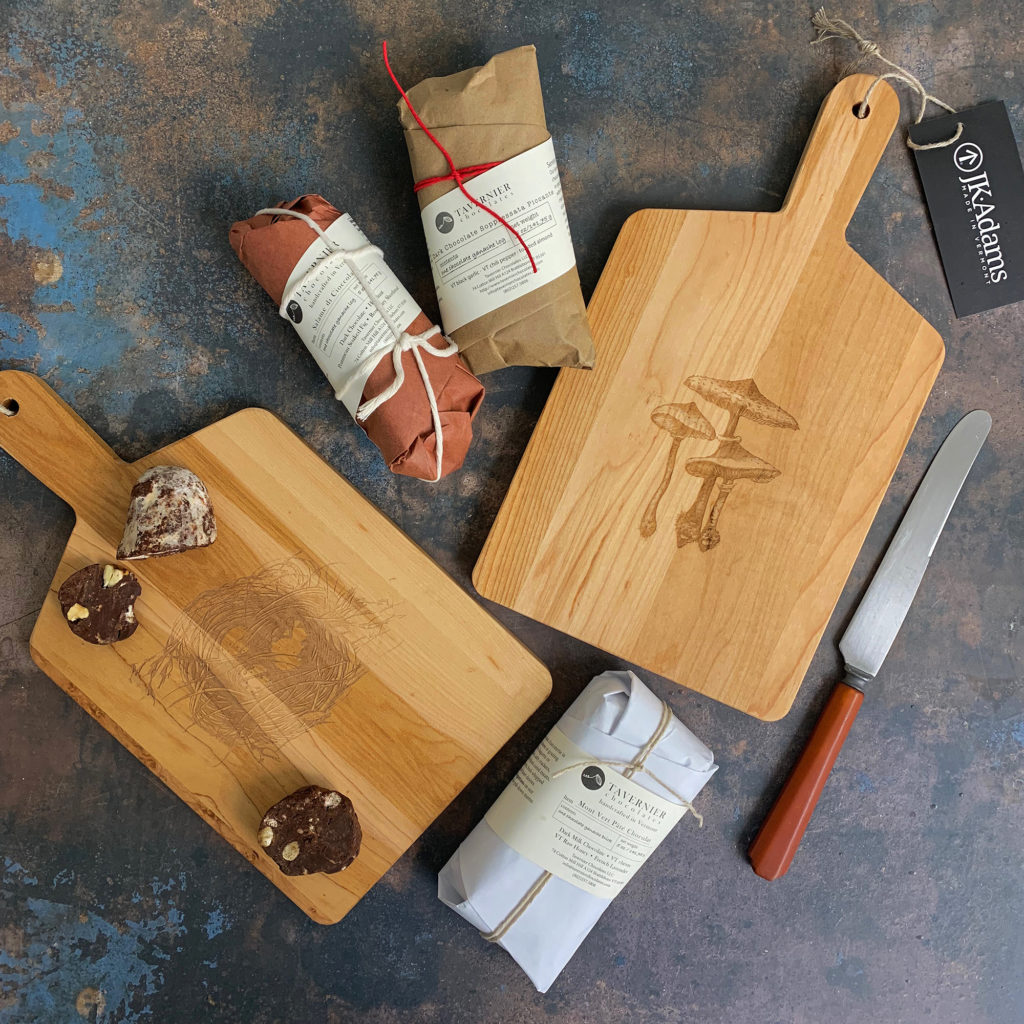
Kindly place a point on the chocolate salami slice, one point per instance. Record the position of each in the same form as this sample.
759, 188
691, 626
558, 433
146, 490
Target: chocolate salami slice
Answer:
98, 603
314, 830
170, 511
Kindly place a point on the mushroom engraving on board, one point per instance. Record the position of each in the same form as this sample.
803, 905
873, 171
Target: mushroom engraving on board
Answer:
730, 463
679, 421
688, 523
742, 400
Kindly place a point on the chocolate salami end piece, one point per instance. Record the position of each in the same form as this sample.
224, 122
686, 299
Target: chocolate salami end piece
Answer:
315, 830
98, 603
169, 512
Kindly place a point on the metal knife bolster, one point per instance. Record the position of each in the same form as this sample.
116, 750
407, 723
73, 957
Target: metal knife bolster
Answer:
856, 679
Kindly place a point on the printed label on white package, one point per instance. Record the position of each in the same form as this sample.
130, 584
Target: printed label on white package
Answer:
478, 264
580, 819
333, 315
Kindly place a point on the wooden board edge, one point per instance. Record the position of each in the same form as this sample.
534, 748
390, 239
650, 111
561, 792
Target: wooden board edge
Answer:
535, 687
543, 677
632, 224
781, 707
787, 697
930, 329
218, 826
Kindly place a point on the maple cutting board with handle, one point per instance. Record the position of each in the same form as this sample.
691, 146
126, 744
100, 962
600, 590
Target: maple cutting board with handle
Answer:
696, 502
313, 642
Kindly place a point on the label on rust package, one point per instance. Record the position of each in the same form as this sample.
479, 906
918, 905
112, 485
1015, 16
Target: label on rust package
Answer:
580, 819
336, 318
974, 188
478, 264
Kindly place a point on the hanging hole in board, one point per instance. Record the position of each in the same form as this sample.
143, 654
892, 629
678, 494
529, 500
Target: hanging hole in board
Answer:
9, 407
861, 110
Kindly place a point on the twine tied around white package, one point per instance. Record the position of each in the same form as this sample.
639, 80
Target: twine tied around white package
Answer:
835, 28
628, 769
403, 341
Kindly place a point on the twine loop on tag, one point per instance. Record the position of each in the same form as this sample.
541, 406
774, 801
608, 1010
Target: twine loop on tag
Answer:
835, 28
402, 340
456, 174
628, 769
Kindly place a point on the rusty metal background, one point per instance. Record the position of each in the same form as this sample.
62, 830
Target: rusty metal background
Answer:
131, 134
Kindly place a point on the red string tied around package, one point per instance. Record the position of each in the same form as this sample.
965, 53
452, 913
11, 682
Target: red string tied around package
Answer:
456, 174
465, 173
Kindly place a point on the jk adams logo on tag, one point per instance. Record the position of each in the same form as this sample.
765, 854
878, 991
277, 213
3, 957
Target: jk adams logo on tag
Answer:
980, 204
968, 157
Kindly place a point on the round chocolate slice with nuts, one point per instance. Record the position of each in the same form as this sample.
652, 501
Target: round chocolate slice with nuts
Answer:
315, 830
98, 603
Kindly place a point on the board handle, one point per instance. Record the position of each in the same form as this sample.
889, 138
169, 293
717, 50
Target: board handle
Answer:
843, 151
42, 432
772, 851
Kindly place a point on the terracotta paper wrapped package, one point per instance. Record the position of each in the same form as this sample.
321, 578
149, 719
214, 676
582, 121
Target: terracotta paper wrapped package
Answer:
272, 246
599, 794
481, 116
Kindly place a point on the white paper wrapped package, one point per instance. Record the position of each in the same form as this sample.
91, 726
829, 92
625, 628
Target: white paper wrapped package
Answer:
592, 803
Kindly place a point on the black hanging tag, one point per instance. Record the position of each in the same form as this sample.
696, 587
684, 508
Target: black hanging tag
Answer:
975, 194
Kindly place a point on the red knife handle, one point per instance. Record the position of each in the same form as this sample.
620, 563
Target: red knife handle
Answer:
772, 851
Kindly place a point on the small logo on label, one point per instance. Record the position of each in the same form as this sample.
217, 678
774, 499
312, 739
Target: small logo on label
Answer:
294, 311
592, 777
444, 222
968, 156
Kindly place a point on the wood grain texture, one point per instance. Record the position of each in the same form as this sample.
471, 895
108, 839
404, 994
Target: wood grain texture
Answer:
691, 301
312, 643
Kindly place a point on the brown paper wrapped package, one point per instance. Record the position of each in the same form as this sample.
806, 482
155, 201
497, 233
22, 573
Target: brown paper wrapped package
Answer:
490, 113
401, 428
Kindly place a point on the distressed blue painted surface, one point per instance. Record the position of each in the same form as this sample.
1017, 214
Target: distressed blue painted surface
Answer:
131, 135
61, 221
64, 950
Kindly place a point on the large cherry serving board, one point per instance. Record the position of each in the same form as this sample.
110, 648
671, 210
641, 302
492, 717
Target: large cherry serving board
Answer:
797, 374
312, 643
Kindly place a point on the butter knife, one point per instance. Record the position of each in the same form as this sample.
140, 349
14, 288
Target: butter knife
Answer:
867, 640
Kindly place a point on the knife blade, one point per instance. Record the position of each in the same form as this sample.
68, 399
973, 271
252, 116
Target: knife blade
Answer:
887, 600
867, 640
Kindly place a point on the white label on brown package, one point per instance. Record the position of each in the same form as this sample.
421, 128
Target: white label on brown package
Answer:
589, 825
334, 316
478, 263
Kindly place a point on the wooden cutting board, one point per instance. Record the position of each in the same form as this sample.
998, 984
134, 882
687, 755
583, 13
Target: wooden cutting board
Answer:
312, 643
709, 541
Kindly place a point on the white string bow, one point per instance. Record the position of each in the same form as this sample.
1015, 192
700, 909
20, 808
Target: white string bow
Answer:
403, 341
